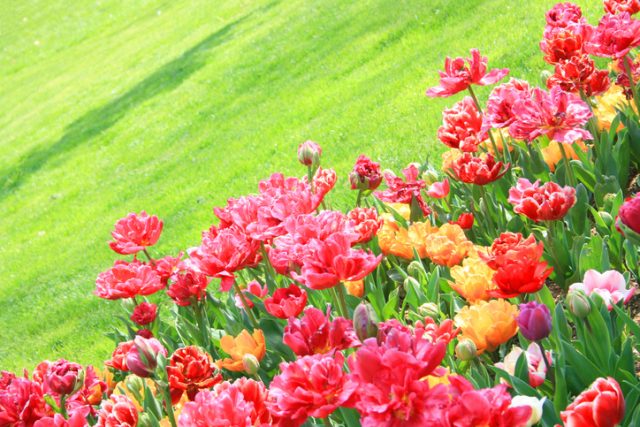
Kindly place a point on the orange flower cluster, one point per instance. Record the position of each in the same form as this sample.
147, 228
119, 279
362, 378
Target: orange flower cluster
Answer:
448, 245
401, 242
488, 324
239, 346
552, 154
473, 280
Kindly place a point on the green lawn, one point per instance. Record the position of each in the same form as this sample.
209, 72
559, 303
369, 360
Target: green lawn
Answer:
108, 107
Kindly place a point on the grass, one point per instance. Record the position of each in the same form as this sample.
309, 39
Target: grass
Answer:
109, 107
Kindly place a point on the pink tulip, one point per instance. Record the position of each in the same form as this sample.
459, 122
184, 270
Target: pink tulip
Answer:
611, 286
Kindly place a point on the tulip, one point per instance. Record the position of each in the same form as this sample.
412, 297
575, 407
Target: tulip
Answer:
309, 153
142, 359
534, 403
365, 321
611, 286
534, 321
629, 213
617, 6
144, 313
578, 303
602, 405
429, 309
64, 377
466, 349
365, 174
251, 364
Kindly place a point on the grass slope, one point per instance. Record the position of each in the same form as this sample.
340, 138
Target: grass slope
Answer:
109, 107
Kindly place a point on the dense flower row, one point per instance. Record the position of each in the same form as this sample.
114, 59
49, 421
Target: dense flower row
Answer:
493, 292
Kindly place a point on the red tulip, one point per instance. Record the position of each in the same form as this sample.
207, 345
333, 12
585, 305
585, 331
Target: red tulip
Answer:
311, 386
315, 333
144, 313
365, 174
190, 370
563, 15
546, 202
617, 6
119, 357
286, 302
462, 126
465, 220
615, 36
404, 191
135, 232
64, 377
557, 114
480, 170
629, 213
21, 401
189, 287
127, 280
564, 43
579, 75
439, 190
499, 111
460, 73
119, 411
602, 405
365, 222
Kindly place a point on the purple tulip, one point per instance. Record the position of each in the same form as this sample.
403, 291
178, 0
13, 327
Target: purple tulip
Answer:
534, 321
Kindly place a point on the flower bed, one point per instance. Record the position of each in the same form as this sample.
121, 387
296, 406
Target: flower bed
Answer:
496, 291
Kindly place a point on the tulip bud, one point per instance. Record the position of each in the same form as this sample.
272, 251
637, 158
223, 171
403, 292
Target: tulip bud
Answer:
134, 383
578, 304
251, 364
144, 420
544, 76
466, 349
629, 213
534, 321
365, 321
606, 218
410, 282
534, 403
415, 269
64, 377
365, 175
429, 309
309, 153
430, 176
142, 359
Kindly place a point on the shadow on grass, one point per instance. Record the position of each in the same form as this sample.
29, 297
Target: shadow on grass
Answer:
96, 121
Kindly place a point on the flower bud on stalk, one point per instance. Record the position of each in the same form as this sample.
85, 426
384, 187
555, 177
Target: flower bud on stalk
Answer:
251, 364
309, 153
415, 269
466, 349
578, 304
365, 321
534, 321
142, 359
64, 377
429, 309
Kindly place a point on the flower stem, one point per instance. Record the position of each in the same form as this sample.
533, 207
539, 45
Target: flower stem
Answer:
151, 260
245, 304
493, 141
326, 422
359, 198
546, 362
203, 325
570, 176
167, 403
627, 65
342, 300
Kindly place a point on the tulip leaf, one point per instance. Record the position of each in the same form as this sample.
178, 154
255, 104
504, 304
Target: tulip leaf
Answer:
585, 370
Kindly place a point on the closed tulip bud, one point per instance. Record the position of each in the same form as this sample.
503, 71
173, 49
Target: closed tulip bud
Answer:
578, 303
410, 282
135, 383
365, 321
630, 213
534, 321
309, 153
429, 309
430, 176
251, 364
365, 174
142, 359
466, 349
144, 420
415, 269
606, 218
544, 76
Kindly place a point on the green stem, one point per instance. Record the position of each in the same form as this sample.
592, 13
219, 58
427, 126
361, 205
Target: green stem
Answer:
493, 141
63, 406
627, 65
151, 260
546, 363
203, 325
342, 300
359, 198
245, 304
567, 164
326, 422
167, 403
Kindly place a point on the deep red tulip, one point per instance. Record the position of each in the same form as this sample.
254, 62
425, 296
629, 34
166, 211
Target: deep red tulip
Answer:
189, 287
629, 213
465, 220
480, 170
365, 175
144, 313
579, 75
190, 370
64, 377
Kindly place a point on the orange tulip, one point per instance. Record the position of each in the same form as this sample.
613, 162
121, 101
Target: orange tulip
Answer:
473, 279
448, 245
488, 324
355, 288
239, 346
401, 242
404, 209
449, 157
